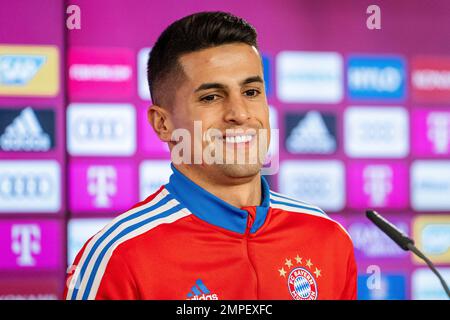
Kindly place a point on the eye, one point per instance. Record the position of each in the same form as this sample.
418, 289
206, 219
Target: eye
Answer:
252, 93
209, 98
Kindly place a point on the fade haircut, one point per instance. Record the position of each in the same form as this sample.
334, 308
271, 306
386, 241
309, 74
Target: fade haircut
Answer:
192, 33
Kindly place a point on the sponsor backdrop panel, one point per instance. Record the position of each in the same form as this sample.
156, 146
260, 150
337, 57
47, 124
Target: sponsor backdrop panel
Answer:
364, 120
32, 149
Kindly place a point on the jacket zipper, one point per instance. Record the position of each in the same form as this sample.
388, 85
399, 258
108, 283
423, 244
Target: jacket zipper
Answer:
250, 220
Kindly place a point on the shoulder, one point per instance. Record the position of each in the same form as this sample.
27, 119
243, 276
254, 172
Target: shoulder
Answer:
285, 203
101, 250
146, 216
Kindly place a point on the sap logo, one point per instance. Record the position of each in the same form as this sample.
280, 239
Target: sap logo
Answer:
29, 70
430, 182
319, 182
376, 77
152, 175
26, 242
102, 184
377, 184
438, 124
29, 186
314, 77
101, 129
436, 238
200, 292
27, 130
312, 132
19, 70
432, 233
376, 132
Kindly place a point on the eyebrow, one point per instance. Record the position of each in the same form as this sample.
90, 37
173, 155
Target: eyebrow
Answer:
217, 85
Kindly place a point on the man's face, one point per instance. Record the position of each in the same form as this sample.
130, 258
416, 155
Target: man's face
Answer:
223, 88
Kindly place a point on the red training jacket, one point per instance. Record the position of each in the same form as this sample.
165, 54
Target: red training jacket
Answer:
182, 242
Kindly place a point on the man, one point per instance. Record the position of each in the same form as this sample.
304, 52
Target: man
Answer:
215, 231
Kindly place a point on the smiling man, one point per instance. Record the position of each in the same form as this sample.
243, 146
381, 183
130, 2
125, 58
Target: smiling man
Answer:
216, 230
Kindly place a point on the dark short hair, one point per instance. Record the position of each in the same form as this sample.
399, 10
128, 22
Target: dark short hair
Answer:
192, 33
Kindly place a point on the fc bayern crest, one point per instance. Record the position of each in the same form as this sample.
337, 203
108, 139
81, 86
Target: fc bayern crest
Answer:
302, 285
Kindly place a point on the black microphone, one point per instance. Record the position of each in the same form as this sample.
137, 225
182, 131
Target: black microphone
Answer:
403, 241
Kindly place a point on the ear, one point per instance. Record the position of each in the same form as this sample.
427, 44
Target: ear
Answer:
161, 121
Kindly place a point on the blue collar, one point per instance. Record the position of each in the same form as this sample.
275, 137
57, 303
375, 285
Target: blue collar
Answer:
213, 210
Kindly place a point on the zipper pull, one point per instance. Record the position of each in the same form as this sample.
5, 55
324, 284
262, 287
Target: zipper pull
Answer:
250, 218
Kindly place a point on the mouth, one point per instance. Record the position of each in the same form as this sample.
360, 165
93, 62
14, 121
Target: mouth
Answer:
239, 139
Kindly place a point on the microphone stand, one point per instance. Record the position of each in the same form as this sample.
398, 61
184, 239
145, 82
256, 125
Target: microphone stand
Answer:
404, 242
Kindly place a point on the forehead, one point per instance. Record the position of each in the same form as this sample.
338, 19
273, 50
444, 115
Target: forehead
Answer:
231, 60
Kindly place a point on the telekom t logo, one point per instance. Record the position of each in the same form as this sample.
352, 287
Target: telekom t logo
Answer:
438, 132
377, 183
102, 184
26, 242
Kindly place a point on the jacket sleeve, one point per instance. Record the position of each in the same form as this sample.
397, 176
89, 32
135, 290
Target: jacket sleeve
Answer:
350, 289
114, 283
117, 282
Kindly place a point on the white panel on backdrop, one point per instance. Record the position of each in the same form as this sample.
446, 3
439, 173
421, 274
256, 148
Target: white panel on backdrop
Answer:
314, 77
376, 132
79, 231
426, 286
30, 186
319, 182
101, 129
152, 175
143, 89
430, 185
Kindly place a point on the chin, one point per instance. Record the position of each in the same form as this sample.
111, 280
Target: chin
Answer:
239, 170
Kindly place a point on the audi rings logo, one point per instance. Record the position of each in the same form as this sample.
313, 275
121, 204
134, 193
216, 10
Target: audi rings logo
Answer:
319, 182
30, 186
25, 186
101, 129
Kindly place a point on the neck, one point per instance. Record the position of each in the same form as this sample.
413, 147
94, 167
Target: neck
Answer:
239, 192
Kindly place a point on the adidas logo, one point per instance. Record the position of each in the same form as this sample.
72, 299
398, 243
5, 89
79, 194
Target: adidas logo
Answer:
200, 292
25, 134
311, 136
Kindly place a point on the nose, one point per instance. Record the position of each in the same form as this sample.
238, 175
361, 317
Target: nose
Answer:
237, 111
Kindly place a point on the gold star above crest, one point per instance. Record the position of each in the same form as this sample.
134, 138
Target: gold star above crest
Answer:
288, 263
282, 272
309, 263
317, 273
298, 259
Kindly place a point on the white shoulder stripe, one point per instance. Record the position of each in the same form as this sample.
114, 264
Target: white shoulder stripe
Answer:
161, 195
295, 202
169, 205
285, 197
313, 213
101, 270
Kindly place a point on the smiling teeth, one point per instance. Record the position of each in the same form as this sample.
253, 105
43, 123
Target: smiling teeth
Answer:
239, 139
